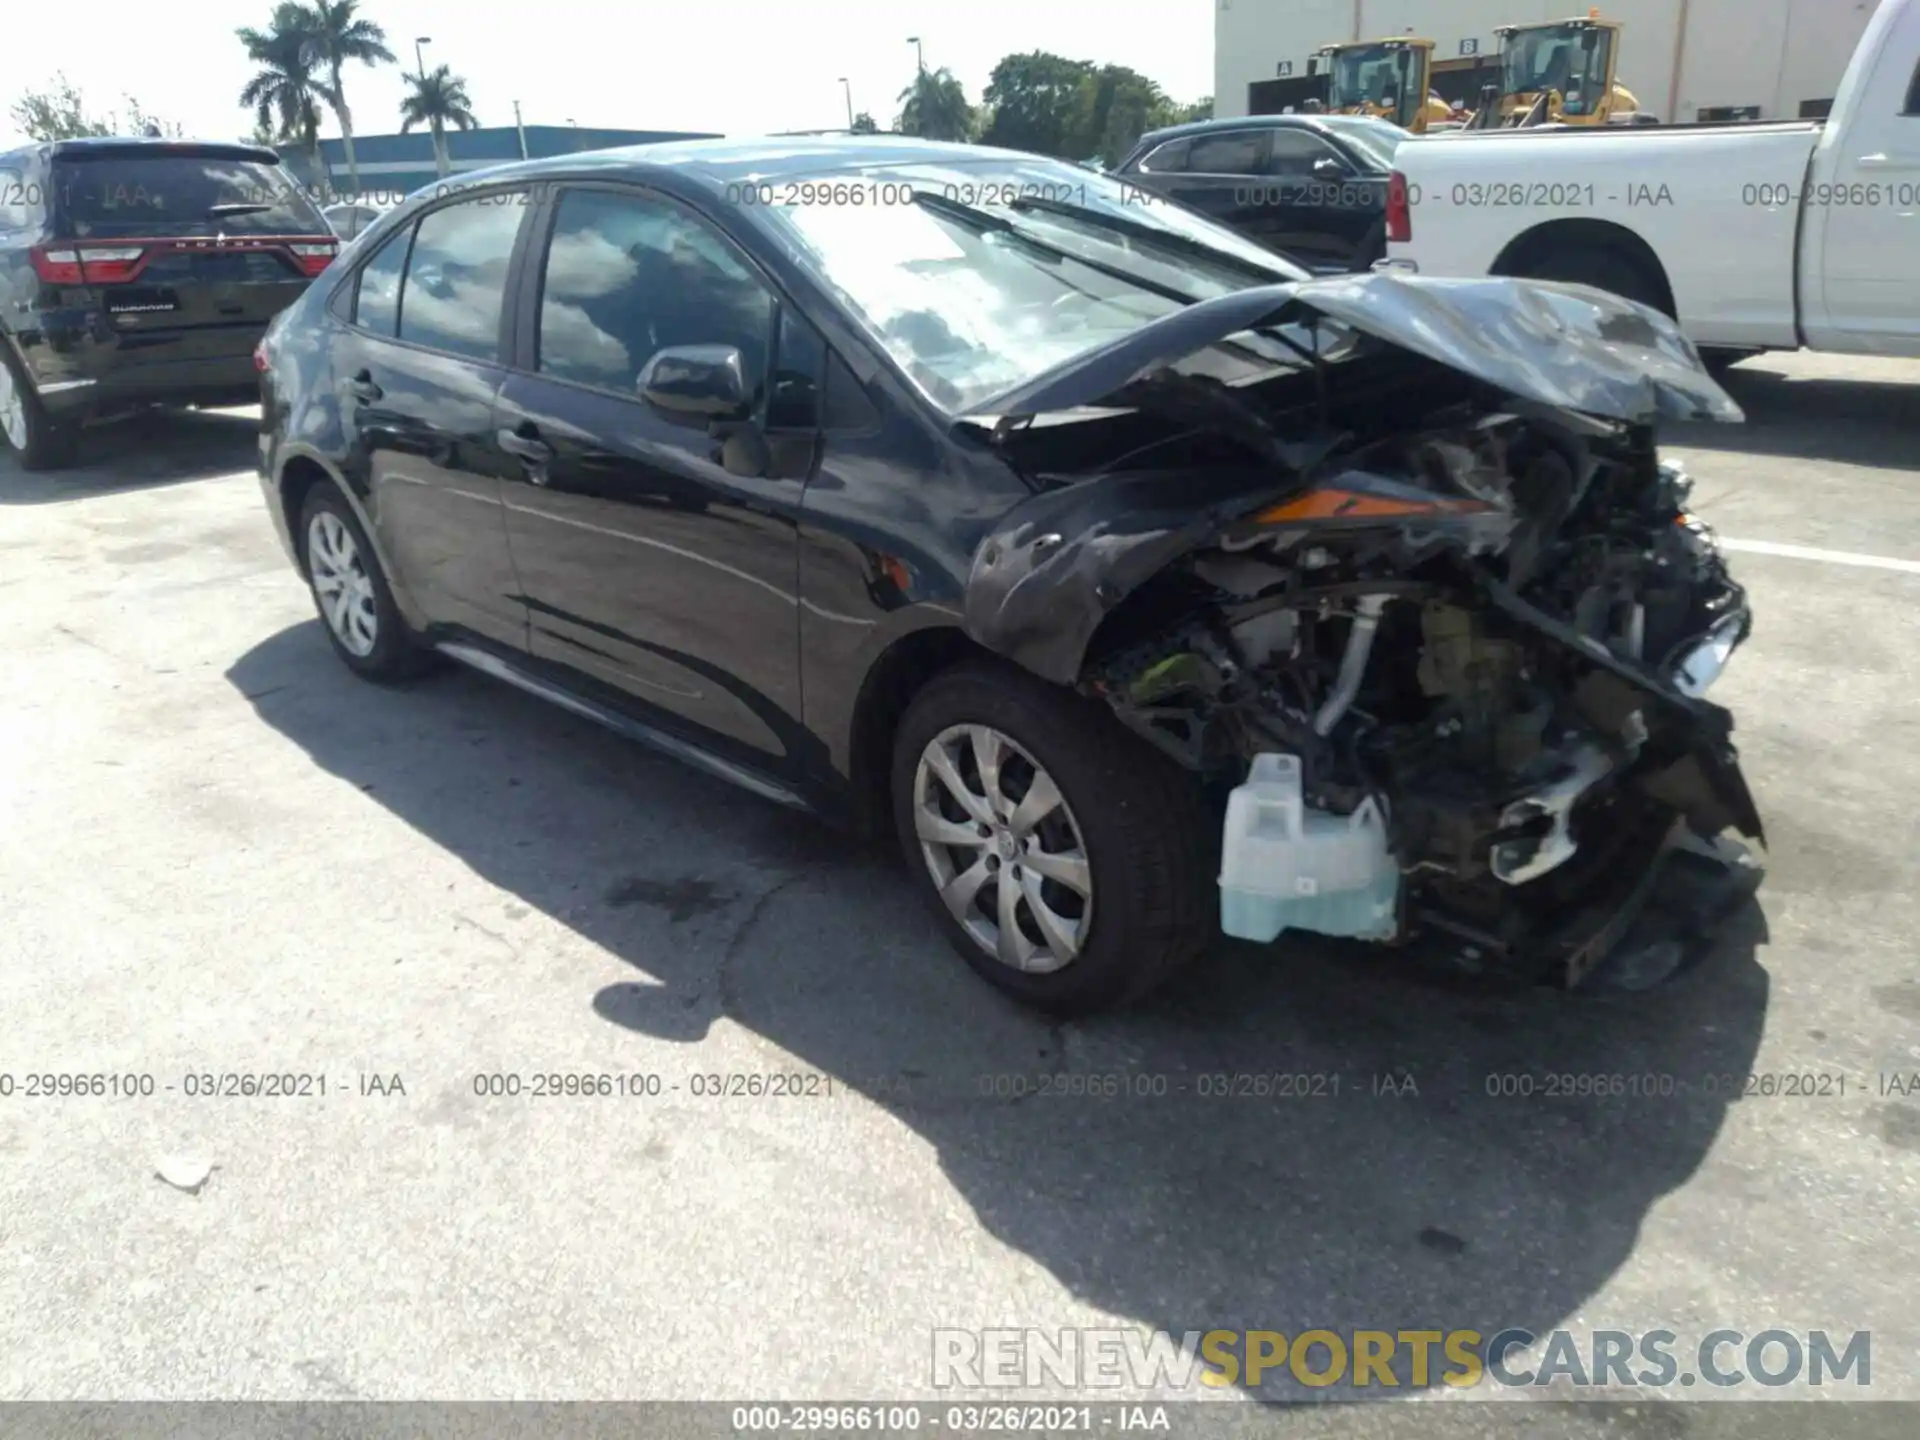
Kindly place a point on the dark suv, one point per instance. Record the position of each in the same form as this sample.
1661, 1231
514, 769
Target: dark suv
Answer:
136, 272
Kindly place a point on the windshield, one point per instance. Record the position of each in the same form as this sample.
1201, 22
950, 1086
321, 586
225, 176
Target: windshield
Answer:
1376, 139
978, 277
170, 195
1554, 58
1380, 76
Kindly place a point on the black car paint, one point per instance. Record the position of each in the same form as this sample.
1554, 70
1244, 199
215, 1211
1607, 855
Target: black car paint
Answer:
573, 541
742, 613
1569, 347
1324, 222
182, 333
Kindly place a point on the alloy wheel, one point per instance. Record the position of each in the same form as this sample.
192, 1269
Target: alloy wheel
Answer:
13, 409
1003, 848
341, 582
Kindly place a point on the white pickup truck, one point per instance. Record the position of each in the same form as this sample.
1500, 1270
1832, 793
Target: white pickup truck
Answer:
1770, 236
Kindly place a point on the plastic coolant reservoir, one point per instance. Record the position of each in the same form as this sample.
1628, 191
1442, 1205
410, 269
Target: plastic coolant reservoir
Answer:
1285, 867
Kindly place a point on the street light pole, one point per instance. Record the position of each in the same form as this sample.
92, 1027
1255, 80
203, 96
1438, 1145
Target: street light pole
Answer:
919, 54
419, 59
520, 129
849, 89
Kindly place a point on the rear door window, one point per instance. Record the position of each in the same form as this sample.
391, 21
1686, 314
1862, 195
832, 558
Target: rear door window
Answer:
1236, 152
377, 306
118, 195
457, 275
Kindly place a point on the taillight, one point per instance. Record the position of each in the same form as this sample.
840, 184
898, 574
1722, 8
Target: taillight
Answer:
313, 258
1399, 212
87, 264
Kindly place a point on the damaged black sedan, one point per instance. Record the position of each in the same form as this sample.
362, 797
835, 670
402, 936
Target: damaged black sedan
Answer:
1146, 587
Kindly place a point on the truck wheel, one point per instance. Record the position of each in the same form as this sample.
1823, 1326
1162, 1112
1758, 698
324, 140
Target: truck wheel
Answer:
34, 437
1072, 865
1602, 269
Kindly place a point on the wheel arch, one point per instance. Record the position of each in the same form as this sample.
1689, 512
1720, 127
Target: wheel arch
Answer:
301, 469
897, 674
1583, 233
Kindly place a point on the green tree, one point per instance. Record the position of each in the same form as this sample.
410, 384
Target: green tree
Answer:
338, 37
285, 93
60, 113
864, 124
1115, 107
935, 107
57, 113
1035, 103
1201, 109
437, 100
139, 122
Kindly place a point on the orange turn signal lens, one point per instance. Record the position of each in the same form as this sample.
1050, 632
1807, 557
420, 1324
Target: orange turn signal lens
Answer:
1347, 505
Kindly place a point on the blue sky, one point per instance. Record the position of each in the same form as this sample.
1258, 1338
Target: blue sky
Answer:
734, 66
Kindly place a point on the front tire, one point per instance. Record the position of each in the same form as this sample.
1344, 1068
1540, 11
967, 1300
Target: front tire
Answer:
1071, 864
351, 593
36, 439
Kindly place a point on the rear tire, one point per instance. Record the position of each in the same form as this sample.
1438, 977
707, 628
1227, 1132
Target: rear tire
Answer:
351, 593
1131, 826
27, 431
1602, 269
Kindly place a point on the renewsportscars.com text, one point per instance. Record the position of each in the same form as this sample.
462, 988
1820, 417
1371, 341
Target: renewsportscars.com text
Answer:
1391, 1359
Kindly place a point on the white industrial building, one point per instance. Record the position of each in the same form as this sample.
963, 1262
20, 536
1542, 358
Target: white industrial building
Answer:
1684, 60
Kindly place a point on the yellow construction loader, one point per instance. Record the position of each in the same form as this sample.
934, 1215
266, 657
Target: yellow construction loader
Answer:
1388, 79
1559, 72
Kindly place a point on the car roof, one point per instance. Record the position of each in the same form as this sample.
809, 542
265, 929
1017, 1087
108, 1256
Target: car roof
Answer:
130, 146
1245, 122
716, 163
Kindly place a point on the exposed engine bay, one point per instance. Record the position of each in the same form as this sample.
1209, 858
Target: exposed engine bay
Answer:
1490, 619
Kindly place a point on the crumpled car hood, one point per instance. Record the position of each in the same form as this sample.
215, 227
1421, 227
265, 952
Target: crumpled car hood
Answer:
1568, 346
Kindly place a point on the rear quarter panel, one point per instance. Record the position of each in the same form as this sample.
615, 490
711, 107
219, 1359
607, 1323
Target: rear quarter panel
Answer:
1718, 205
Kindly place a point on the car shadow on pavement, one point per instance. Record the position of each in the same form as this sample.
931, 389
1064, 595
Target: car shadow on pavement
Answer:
1872, 423
1145, 1159
148, 449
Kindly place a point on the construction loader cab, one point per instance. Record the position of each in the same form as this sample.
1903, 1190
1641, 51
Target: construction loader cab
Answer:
1571, 64
1387, 79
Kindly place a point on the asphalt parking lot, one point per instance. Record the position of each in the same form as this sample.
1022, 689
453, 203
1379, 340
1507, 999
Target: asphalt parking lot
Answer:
221, 854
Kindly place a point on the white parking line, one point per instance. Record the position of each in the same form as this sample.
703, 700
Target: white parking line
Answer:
1830, 557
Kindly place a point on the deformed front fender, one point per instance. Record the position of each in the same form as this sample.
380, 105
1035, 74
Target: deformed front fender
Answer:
1058, 564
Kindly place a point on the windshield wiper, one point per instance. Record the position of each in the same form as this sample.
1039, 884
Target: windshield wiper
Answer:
985, 222
238, 207
1167, 240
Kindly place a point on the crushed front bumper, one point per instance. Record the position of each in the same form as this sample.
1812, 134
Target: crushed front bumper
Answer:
1626, 915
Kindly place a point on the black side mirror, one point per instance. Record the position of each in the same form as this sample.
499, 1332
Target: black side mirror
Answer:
697, 384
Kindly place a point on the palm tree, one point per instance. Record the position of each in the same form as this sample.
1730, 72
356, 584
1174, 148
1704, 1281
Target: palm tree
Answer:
285, 94
935, 107
336, 36
438, 99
